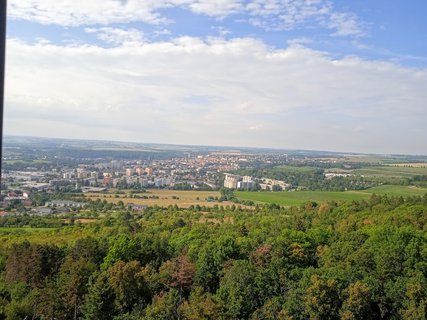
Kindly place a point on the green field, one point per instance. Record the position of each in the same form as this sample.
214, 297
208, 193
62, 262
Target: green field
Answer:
390, 171
298, 197
13, 161
290, 169
404, 191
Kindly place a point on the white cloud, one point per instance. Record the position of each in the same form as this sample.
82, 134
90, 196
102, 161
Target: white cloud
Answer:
222, 92
221, 31
117, 36
267, 14
216, 8
83, 12
162, 32
300, 41
345, 24
294, 14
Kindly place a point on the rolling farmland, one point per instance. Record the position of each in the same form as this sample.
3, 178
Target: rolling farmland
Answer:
298, 197
162, 198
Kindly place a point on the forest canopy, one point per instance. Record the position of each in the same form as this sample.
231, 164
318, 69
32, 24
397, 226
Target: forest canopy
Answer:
350, 260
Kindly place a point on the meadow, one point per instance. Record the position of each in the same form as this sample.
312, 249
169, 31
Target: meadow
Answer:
304, 169
299, 197
186, 198
162, 197
391, 171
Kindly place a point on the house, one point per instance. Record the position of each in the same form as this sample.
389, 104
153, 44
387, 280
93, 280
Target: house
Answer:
93, 189
65, 203
136, 207
43, 211
62, 210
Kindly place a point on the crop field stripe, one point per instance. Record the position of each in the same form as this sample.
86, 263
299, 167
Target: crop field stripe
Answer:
298, 197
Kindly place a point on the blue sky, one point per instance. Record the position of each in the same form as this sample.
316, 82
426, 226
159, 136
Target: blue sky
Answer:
305, 74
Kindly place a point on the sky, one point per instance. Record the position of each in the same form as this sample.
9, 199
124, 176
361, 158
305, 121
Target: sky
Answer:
344, 75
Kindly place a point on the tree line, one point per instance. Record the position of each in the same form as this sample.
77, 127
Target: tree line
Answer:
350, 260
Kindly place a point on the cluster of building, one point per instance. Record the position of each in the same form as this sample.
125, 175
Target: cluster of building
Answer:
194, 171
233, 181
12, 196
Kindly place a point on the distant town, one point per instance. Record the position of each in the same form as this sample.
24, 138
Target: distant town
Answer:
190, 172
46, 167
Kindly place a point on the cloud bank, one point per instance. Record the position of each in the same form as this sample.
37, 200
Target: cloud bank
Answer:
266, 14
214, 91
